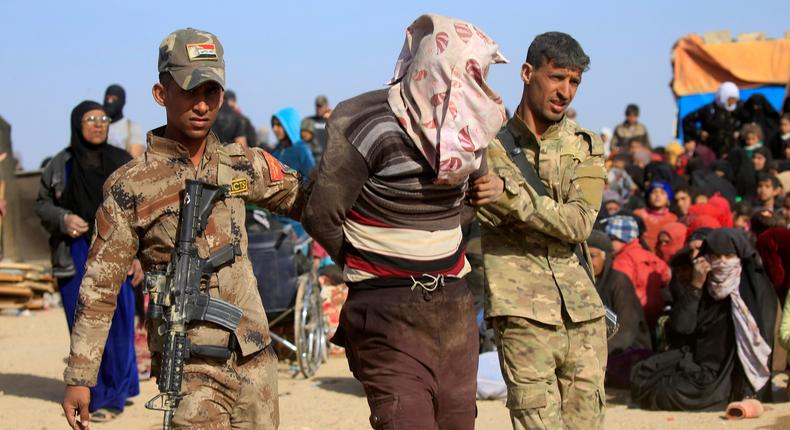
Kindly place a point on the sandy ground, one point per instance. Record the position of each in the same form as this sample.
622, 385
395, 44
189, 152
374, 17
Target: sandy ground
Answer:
32, 350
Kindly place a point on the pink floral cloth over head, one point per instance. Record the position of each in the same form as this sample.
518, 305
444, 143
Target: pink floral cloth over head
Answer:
440, 96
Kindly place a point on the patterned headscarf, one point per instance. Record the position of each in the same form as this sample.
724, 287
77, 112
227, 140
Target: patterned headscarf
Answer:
440, 96
622, 227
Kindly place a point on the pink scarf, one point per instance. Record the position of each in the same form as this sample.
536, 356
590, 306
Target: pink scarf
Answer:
440, 96
724, 280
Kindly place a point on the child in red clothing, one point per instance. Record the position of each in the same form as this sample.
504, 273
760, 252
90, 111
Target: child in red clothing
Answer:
712, 208
657, 214
670, 240
647, 272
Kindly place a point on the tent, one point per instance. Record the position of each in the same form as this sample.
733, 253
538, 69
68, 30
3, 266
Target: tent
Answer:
757, 66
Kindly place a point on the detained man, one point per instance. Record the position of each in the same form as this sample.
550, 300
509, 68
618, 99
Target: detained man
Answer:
387, 206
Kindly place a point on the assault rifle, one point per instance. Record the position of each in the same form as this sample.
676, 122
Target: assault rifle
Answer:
176, 299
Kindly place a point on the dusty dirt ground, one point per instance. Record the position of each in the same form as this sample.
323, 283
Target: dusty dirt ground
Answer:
32, 350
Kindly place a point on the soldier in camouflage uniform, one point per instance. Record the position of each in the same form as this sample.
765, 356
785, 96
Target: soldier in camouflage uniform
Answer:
139, 217
546, 314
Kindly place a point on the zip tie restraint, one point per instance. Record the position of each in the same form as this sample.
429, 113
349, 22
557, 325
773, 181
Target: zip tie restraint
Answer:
435, 282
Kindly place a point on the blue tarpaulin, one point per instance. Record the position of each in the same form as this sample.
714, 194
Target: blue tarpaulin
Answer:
687, 104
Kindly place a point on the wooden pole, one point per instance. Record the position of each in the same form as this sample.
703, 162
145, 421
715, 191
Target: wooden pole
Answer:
2, 197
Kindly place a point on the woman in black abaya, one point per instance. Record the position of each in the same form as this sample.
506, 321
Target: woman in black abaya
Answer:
69, 195
720, 333
757, 110
743, 171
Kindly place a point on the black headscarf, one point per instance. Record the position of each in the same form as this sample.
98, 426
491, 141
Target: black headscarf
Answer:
115, 109
603, 284
765, 152
724, 167
617, 293
637, 174
660, 171
759, 111
702, 368
699, 234
709, 183
91, 165
756, 288
724, 241
695, 164
745, 177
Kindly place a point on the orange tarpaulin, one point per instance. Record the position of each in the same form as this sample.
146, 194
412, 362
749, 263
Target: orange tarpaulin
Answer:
700, 68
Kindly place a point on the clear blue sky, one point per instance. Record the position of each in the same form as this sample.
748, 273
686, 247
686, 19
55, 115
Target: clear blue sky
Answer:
55, 54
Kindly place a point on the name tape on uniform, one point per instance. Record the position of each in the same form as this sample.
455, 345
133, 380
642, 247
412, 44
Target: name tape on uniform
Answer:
238, 186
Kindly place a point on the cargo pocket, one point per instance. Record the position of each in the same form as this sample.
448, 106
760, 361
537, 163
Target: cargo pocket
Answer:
104, 224
509, 177
523, 398
166, 228
382, 412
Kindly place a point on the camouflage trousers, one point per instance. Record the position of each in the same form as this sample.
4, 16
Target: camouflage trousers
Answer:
554, 374
237, 394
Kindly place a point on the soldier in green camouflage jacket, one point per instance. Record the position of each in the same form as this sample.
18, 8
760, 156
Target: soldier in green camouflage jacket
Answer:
139, 217
546, 314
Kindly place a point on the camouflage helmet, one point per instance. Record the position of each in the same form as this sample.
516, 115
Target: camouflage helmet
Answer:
192, 57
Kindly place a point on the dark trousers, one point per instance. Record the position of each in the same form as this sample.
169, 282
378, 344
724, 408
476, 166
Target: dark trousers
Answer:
415, 353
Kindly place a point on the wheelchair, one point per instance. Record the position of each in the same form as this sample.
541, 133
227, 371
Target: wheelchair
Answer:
289, 288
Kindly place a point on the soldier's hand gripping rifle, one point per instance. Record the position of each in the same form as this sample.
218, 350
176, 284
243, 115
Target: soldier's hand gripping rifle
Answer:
176, 299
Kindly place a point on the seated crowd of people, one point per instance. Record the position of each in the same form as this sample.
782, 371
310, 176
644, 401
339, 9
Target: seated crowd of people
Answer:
690, 250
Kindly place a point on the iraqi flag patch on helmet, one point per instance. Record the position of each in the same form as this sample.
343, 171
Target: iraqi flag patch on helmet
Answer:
201, 51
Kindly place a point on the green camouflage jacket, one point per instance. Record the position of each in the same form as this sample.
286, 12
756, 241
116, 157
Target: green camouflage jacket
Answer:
528, 240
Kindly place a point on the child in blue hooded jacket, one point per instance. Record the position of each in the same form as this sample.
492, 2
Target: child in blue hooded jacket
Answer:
290, 149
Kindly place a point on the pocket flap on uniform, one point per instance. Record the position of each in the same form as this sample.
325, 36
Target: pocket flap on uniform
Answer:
526, 397
590, 172
382, 411
509, 178
104, 225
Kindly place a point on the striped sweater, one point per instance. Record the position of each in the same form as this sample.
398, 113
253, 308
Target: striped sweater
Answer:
374, 205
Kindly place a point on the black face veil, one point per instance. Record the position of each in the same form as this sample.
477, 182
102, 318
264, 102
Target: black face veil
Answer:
114, 109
